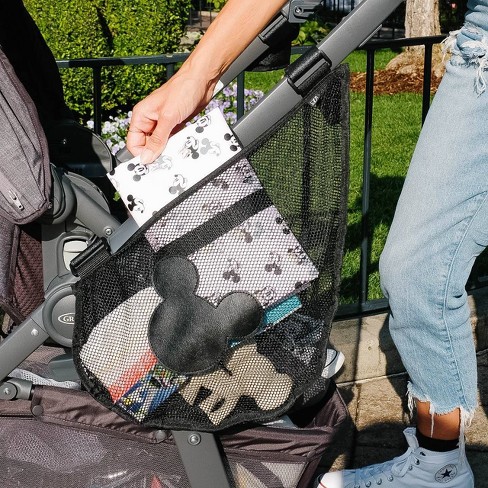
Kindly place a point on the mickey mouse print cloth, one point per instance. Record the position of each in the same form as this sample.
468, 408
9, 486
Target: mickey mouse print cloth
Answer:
189, 156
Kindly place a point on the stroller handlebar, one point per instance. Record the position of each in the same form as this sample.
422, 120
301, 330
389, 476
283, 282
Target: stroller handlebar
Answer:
356, 28
353, 31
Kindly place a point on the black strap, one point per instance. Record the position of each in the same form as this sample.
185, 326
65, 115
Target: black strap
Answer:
217, 226
308, 70
91, 258
95, 254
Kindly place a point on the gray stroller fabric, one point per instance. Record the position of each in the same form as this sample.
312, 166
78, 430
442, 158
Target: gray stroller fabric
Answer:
21, 273
25, 177
64, 438
8, 241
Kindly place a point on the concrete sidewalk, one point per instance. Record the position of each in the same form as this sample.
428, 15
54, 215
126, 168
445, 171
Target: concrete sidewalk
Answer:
373, 385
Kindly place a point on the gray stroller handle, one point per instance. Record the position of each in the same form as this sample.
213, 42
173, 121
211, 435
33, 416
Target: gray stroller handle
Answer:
354, 30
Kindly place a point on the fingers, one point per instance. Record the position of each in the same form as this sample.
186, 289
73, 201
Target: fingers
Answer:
151, 124
150, 143
156, 142
136, 141
143, 122
162, 113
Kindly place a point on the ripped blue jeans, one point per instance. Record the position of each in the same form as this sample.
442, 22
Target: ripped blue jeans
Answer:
440, 227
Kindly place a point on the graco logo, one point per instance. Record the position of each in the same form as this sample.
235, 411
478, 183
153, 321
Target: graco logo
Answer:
67, 318
314, 101
446, 474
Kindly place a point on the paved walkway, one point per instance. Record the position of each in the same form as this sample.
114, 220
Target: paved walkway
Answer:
373, 385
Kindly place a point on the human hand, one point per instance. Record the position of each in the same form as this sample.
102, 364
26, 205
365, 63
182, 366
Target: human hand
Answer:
164, 111
191, 88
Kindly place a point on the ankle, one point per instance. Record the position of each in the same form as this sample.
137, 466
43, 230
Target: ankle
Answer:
445, 426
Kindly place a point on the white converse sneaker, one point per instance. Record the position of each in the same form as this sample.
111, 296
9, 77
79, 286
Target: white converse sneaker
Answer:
417, 468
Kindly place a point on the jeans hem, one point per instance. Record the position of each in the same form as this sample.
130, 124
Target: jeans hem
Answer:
466, 414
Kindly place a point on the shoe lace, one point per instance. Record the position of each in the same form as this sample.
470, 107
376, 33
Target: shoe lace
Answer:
397, 467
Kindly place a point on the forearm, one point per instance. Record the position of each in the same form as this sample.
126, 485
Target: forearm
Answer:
192, 87
234, 28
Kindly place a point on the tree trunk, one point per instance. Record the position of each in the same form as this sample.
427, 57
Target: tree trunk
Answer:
421, 19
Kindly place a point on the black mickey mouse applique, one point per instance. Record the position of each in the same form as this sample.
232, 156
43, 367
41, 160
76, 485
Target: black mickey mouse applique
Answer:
188, 334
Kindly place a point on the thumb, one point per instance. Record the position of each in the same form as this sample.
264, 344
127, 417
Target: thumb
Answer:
155, 143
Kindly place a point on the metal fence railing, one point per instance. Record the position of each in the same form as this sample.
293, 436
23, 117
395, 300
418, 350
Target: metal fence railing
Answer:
364, 306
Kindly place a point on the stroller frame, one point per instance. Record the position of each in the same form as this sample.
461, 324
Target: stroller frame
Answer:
200, 452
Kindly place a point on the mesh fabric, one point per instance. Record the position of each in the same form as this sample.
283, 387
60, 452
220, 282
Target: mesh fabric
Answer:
302, 164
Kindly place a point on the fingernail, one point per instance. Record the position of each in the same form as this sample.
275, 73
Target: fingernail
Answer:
147, 156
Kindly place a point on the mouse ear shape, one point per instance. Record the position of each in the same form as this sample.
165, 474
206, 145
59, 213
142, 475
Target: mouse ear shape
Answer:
187, 333
241, 315
175, 275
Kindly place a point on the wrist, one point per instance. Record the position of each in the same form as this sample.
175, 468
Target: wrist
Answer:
206, 64
198, 76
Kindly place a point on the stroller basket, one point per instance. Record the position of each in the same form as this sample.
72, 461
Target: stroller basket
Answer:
255, 375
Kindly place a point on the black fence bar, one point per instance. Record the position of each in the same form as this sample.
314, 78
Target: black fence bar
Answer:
427, 81
97, 99
170, 70
240, 95
96, 65
365, 231
365, 306
403, 42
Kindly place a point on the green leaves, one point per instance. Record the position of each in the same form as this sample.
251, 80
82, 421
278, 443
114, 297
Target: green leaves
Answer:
311, 32
218, 4
96, 28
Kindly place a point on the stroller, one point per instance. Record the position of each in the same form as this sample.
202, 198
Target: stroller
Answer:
198, 435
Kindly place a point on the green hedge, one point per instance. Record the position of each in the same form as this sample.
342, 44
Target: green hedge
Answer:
94, 28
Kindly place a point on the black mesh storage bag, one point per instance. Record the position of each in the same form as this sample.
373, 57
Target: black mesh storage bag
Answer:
152, 346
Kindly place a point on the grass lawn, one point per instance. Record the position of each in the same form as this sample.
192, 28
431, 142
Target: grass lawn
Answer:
396, 125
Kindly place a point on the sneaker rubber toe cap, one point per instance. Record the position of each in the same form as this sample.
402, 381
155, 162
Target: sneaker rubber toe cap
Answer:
331, 480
